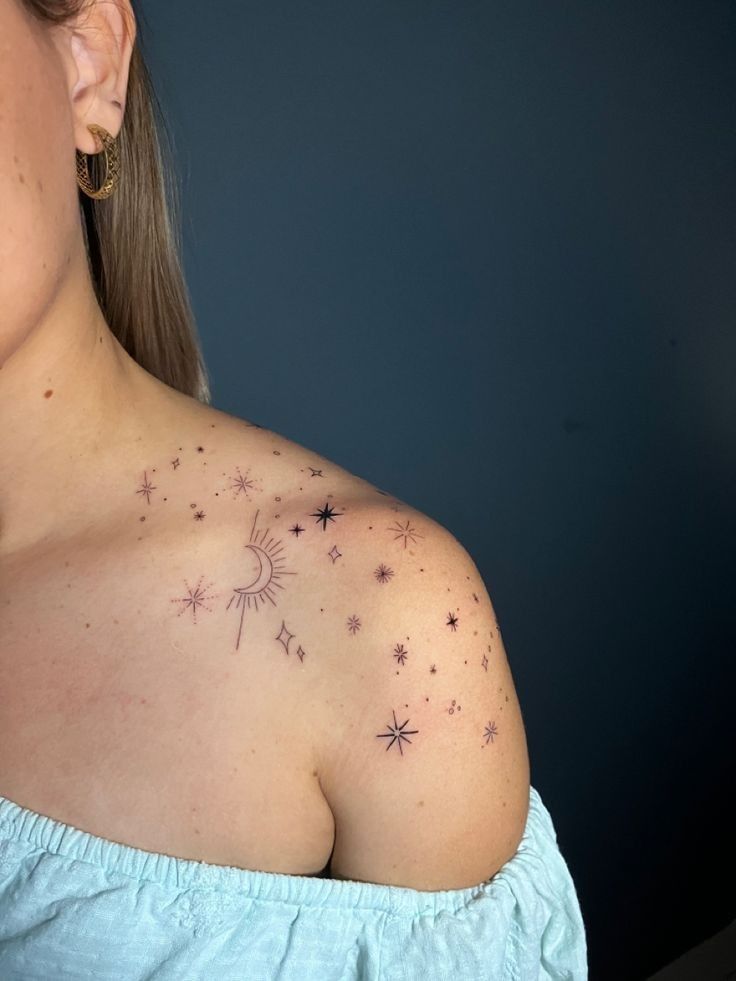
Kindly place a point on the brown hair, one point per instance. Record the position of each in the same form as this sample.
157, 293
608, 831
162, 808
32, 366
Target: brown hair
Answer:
133, 238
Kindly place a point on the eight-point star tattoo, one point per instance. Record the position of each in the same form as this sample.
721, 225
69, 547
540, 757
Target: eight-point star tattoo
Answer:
452, 621
400, 653
146, 487
324, 515
383, 573
405, 532
490, 731
353, 624
196, 597
241, 485
397, 733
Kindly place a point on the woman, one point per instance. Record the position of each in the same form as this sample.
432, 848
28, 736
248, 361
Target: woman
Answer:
257, 718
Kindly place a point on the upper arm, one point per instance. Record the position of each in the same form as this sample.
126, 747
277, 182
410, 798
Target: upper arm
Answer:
425, 763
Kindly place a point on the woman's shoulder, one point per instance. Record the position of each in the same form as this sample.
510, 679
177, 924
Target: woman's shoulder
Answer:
388, 613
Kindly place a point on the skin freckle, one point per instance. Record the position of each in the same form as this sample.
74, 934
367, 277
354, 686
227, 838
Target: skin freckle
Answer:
48, 393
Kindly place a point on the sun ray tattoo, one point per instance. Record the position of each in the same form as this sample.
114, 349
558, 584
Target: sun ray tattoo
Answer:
405, 532
270, 570
397, 733
383, 573
324, 515
490, 732
146, 487
195, 598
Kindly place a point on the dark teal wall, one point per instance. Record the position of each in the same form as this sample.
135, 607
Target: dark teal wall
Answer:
482, 254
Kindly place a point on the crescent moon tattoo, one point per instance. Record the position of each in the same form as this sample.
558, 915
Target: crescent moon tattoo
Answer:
270, 561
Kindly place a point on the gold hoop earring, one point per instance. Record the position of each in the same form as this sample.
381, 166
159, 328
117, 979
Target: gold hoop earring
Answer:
112, 164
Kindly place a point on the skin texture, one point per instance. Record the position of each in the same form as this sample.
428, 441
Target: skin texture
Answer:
71, 399
215, 643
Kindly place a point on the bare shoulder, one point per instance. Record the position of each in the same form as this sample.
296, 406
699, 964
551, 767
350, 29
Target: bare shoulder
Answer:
425, 763
390, 647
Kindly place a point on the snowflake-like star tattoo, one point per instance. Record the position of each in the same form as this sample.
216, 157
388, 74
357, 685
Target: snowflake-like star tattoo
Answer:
400, 653
146, 487
195, 598
397, 733
405, 532
490, 731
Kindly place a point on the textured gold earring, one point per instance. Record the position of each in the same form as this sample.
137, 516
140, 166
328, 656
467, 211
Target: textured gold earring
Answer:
112, 164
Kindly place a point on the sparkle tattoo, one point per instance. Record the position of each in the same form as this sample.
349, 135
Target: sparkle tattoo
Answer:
396, 733
270, 569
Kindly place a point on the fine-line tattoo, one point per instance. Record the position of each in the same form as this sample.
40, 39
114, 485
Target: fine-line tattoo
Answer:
270, 570
405, 532
490, 732
146, 487
397, 733
195, 598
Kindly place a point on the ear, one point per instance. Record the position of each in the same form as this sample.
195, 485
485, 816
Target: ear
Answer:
96, 48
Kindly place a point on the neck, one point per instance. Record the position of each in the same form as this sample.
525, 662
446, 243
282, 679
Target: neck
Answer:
72, 401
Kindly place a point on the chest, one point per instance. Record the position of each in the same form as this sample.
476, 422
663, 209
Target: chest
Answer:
148, 729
